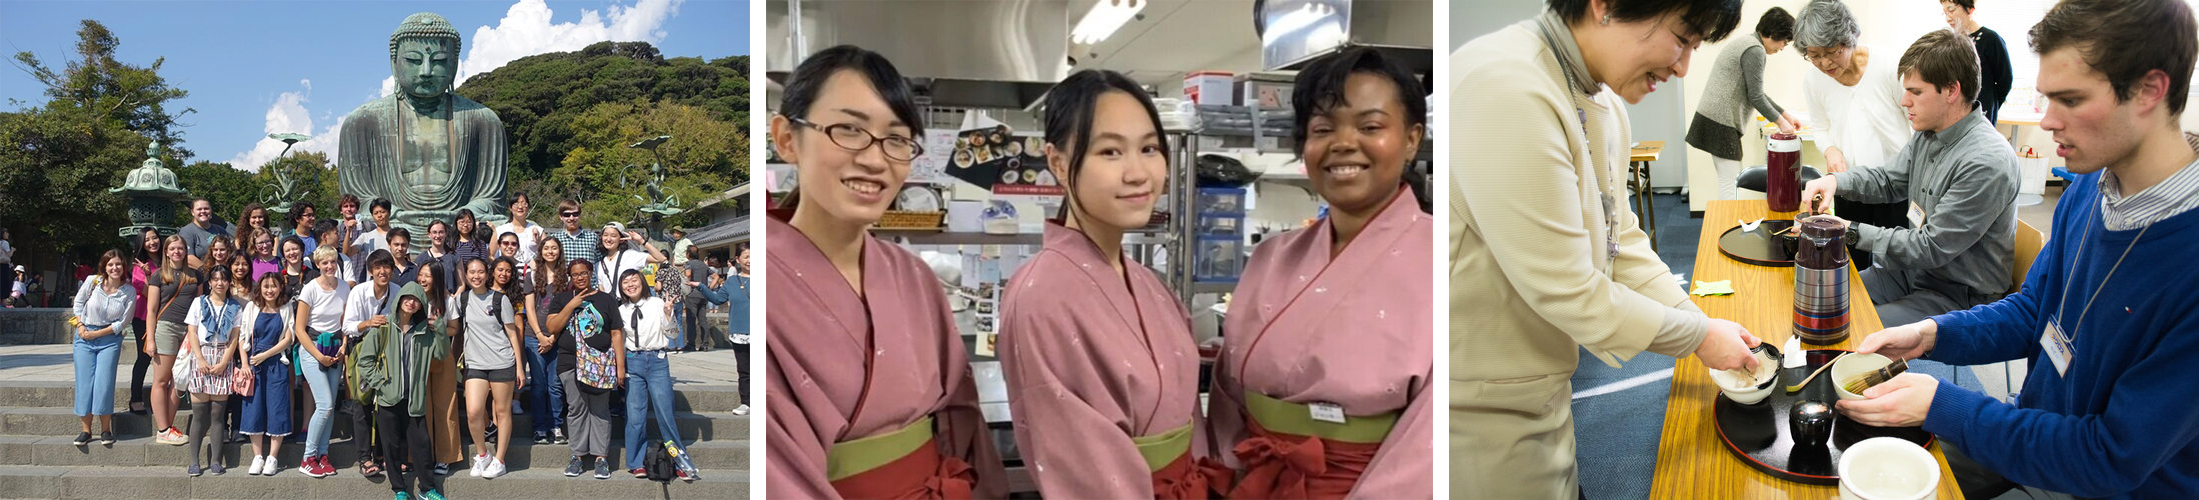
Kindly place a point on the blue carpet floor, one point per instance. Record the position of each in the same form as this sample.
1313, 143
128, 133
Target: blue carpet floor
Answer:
1617, 432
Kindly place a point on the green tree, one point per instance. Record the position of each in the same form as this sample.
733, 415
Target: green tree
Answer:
706, 156
62, 156
538, 97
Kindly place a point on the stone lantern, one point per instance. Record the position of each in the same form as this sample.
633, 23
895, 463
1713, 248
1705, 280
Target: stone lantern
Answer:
153, 194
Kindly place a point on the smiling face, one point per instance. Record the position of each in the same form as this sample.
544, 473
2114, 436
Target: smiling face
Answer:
848, 187
519, 210
424, 66
1633, 58
202, 212
477, 274
332, 262
410, 305
177, 250
219, 250
504, 274
1356, 150
1124, 169
218, 285
437, 232
271, 290
2092, 128
149, 242
743, 259
507, 244
114, 269
631, 286
293, 252
577, 275
257, 219
426, 278
305, 218
551, 251
241, 267
263, 246
610, 239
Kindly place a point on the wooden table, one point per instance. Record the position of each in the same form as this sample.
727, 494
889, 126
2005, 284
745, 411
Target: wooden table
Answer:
1637, 172
1691, 461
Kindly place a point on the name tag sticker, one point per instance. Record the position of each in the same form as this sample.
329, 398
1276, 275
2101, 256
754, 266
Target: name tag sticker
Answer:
1327, 412
2056, 345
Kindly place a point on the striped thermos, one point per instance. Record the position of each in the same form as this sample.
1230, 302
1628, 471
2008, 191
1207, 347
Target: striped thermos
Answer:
1821, 281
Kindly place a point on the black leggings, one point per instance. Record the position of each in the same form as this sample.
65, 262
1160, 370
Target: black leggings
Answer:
137, 370
405, 439
740, 353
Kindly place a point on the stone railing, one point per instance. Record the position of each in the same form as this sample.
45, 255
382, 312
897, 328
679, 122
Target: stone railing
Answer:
36, 325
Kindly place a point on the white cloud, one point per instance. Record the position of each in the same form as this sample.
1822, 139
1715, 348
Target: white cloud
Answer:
289, 115
525, 30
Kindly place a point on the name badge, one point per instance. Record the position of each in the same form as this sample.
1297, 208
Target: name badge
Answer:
1327, 412
2056, 344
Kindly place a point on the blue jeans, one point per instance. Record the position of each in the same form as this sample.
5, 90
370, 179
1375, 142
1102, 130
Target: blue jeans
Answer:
95, 374
545, 396
267, 410
648, 385
324, 382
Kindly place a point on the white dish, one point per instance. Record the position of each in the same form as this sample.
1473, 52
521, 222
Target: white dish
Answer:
1888, 468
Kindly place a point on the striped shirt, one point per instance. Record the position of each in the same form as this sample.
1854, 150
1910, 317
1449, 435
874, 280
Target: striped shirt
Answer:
2177, 194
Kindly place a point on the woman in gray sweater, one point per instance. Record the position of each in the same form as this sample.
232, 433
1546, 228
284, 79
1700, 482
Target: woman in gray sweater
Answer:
1736, 87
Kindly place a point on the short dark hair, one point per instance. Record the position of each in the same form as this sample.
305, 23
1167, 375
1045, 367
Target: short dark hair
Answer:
1072, 106
1320, 86
381, 258
808, 81
1943, 58
1713, 19
1966, 5
297, 211
381, 203
398, 232
2124, 40
348, 199
1776, 25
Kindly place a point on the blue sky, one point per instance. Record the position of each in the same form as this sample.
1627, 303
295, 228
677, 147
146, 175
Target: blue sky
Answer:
255, 67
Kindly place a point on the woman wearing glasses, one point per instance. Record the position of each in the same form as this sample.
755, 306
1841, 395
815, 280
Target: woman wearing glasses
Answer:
874, 397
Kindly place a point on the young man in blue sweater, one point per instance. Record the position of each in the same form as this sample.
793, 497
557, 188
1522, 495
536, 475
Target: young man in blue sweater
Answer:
2108, 317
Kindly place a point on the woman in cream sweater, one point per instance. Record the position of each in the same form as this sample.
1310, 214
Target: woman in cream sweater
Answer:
1546, 259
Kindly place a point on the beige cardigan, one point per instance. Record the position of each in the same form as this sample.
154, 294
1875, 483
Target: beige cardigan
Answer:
1531, 279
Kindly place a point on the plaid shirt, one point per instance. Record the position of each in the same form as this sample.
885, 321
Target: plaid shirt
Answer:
581, 245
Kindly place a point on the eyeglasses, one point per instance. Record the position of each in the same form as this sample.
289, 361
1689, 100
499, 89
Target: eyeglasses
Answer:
853, 138
510, 244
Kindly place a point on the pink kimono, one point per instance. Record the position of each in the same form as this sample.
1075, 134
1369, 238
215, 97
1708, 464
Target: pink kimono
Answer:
823, 336
1094, 359
1355, 333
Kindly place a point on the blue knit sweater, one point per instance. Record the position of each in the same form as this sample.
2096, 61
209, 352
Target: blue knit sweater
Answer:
2121, 423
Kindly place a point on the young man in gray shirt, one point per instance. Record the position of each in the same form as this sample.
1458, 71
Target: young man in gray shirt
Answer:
1959, 170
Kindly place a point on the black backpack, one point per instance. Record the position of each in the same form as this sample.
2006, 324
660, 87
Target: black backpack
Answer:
658, 463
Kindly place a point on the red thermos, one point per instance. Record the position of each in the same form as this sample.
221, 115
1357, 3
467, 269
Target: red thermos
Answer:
1782, 163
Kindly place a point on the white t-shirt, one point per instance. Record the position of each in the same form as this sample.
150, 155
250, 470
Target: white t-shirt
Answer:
613, 265
326, 306
528, 235
1865, 121
7, 253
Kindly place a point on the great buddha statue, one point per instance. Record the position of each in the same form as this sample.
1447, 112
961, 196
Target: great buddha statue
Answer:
425, 149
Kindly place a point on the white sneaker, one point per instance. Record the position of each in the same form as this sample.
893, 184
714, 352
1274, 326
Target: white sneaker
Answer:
743, 410
494, 469
479, 463
272, 466
257, 462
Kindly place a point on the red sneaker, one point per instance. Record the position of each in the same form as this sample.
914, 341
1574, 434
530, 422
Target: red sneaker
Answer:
639, 473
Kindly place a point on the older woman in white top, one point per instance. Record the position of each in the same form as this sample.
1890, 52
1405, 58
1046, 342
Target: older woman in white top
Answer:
103, 308
1855, 102
648, 321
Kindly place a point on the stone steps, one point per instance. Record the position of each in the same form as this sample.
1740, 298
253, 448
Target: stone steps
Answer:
45, 481
685, 396
143, 452
49, 421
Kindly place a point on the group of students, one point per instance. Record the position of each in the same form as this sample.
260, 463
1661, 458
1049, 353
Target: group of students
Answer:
392, 339
873, 391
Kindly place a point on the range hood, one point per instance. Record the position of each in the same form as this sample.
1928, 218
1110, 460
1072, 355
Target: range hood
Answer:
1295, 32
1001, 54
